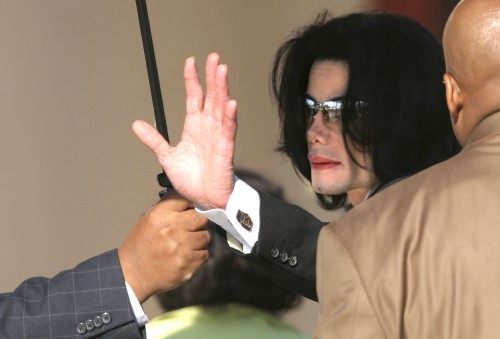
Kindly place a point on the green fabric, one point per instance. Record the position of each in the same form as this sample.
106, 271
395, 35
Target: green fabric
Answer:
221, 322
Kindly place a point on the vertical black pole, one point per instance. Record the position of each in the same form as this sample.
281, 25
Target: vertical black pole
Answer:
154, 82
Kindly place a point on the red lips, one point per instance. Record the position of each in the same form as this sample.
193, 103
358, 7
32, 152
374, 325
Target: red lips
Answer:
320, 163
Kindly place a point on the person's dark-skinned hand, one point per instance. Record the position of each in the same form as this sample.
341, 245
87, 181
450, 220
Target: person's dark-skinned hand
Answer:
166, 246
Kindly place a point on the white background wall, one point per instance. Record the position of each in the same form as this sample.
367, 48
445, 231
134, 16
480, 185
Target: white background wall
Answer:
74, 178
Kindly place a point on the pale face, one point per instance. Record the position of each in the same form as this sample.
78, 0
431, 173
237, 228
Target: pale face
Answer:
332, 170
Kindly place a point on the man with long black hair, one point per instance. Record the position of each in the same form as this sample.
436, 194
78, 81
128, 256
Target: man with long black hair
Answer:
362, 106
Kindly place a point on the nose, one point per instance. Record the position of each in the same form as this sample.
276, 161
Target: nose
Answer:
318, 132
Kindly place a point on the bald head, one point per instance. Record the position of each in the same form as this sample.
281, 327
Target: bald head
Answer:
471, 42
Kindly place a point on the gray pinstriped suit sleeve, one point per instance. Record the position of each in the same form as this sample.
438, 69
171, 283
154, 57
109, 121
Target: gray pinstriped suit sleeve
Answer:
53, 308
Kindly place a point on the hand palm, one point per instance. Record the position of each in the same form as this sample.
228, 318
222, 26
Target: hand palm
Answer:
200, 167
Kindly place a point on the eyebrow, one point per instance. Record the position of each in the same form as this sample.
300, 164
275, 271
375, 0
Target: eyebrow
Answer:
340, 98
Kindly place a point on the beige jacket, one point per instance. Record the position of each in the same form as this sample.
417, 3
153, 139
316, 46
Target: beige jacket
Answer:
421, 259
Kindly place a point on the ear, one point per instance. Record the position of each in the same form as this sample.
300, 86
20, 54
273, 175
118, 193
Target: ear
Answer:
453, 98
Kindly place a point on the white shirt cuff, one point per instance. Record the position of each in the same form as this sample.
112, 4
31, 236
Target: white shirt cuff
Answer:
142, 318
244, 199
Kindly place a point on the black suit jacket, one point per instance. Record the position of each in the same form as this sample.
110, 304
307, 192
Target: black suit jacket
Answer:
286, 248
93, 294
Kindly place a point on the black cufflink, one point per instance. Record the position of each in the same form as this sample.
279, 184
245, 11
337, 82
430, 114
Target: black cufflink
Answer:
244, 219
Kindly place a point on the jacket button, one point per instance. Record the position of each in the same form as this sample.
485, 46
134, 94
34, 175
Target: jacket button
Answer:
98, 322
284, 257
89, 324
81, 328
275, 253
106, 318
292, 261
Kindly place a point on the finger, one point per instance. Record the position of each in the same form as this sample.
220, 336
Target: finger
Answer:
201, 256
175, 202
152, 139
230, 123
210, 78
199, 240
193, 221
221, 91
194, 91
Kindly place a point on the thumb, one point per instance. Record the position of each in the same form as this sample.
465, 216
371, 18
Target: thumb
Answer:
151, 138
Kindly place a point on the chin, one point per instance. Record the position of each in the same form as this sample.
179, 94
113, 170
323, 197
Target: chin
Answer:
325, 189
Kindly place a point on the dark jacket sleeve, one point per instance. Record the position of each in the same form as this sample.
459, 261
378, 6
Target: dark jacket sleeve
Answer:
286, 248
90, 298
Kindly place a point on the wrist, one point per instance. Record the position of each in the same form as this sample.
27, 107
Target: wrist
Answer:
217, 200
133, 277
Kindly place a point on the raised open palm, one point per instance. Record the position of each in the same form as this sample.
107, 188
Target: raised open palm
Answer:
200, 167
